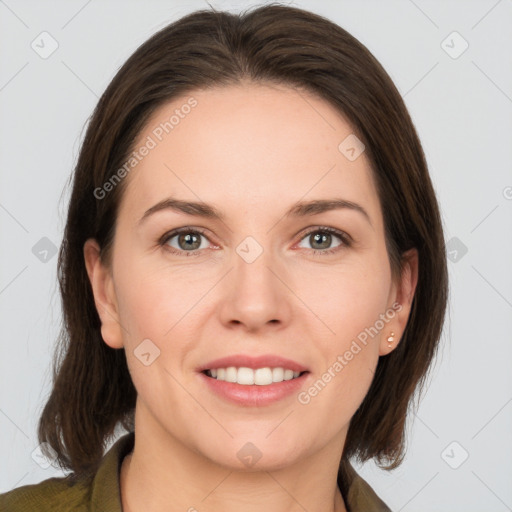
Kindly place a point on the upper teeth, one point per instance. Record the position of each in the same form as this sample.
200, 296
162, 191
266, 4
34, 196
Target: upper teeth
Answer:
248, 376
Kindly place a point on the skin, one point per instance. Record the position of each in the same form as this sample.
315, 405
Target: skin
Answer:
253, 151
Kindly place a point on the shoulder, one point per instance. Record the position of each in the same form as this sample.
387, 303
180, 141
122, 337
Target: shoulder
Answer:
54, 494
357, 492
63, 495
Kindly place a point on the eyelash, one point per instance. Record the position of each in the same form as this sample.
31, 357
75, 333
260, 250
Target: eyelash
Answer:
345, 239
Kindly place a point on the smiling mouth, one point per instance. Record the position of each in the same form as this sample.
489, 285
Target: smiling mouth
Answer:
248, 376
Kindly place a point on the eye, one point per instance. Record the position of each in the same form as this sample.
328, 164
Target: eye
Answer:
188, 241
321, 239
184, 241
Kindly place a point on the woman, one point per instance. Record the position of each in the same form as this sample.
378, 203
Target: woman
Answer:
253, 276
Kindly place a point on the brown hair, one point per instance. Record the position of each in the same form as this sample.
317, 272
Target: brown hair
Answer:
92, 391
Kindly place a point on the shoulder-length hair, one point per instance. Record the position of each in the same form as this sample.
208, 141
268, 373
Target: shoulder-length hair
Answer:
92, 390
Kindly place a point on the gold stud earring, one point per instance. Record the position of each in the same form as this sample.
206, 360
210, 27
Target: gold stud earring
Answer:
391, 339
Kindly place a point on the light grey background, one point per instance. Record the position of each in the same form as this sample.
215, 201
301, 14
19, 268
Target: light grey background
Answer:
462, 108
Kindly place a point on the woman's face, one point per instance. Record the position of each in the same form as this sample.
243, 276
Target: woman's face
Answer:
263, 279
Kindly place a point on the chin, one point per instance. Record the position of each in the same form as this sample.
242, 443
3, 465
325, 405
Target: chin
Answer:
254, 453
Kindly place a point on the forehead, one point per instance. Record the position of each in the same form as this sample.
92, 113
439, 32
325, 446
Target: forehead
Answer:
247, 145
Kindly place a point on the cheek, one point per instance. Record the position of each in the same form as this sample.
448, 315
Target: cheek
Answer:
152, 302
349, 354
157, 306
352, 306
348, 298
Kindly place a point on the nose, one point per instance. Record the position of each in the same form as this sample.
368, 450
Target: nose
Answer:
255, 295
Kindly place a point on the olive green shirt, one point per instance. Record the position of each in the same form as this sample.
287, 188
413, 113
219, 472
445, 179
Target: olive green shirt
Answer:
103, 494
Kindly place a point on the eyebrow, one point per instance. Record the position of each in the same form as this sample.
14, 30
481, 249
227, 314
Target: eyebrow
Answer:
300, 209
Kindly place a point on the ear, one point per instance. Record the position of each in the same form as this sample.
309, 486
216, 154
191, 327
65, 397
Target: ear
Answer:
401, 302
104, 295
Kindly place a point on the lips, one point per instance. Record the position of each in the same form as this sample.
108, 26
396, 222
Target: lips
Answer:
263, 392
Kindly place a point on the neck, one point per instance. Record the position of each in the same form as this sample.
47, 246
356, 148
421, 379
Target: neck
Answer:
233, 492
161, 474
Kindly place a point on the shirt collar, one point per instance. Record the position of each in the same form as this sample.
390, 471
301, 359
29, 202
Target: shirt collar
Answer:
106, 496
